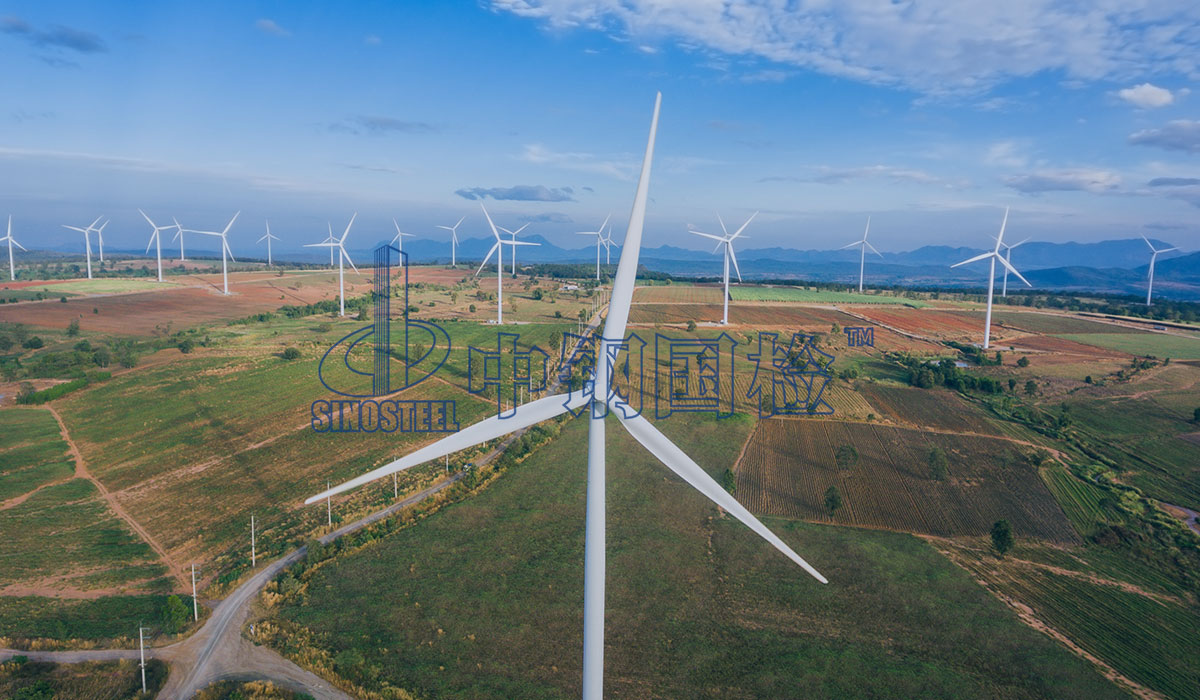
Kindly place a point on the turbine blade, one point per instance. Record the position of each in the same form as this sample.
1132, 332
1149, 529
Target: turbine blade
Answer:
146, 218
743, 228
677, 461
489, 257
524, 416
464, 218
1012, 269
347, 256
14, 242
347, 231
708, 235
230, 224
1148, 243
851, 245
489, 220
868, 229
723, 229
977, 258
733, 257
1003, 224
872, 248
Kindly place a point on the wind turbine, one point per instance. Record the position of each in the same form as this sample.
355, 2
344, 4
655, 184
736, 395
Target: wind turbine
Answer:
514, 243
399, 238
179, 235
226, 253
862, 258
727, 241
100, 238
268, 238
329, 241
599, 234
87, 241
12, 271
596, 406
1008, 257
498, 248
608, 244
343, 257
156, 240
995, 256
453, 240
1153, 256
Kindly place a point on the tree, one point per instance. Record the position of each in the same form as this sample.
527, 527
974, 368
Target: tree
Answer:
1196, 416
691, 326
291, 354
186, 345
471, 308
1030, 387
73, 328
1012, 384
833, 499
1002, 537
174, 615
846, 456
33, 343
1023, 362
729, 481
939, 466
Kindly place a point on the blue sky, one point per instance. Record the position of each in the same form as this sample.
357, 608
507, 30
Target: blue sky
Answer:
931, 117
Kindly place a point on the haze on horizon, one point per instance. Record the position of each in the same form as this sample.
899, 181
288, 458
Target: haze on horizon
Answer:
930, 117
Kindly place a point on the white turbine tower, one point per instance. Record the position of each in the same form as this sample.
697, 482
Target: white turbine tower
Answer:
498, 249
156, 240
727, 241
514, 244
12, 271
1008, 258
1153, 256
862, 258
343, 258
179, 235
599, 234
87, 241
226, 253
608, 244
994, 256
596, 405
398, 239
100, 238
453, 240
268, 238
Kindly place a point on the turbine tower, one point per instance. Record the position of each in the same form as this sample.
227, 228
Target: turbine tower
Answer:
727, 241
268, 238
994, 256
87, 241
100, 238
399, 238
596, 404
226, 253
156, 240
514, 244
599, 234
1153, 256
498, 249
453, 240
1008, 257
608, 244
12, 271
862, 258
343, 258
179, 235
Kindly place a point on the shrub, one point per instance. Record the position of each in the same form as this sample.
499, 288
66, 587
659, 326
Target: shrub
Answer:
471, 308
846, 456
291, 354
33, 343
174, 615
1002, 537
691, 326
833, 499
1023, 362
186, 345
102, 357
939, 466
73, 328
83, 346
1030, 387
729, 481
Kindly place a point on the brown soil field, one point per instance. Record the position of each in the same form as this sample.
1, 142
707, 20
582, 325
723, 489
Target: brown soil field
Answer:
677, 294
932, 408
1050, 344
924, 321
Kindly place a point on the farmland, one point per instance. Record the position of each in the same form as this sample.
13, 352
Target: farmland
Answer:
1159, 345
819, 296
680, 576
789, 464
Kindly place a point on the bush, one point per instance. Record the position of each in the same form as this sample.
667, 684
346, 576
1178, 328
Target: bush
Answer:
1030, 387
729, 481
186, 345
102, 357
33, 343
83, 346
1002, 537
174, 615
691, 326
291, 354
833, 499
1196, 416
846, 456
73, 328
40, 397
471, 308
939, 466
1023, 362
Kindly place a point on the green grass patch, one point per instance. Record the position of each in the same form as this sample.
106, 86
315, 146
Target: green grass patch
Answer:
1159, 345
92, 680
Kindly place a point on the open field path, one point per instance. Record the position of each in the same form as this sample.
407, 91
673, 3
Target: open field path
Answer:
81, 472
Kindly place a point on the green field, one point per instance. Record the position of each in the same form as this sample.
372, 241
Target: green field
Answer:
1159, 345
797, 294
101, 286
107, 680
483, 599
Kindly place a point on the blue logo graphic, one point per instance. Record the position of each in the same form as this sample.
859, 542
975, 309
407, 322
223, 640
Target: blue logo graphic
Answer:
694, 375
508, 370
790, 380
626, 382
338, 371
859, 336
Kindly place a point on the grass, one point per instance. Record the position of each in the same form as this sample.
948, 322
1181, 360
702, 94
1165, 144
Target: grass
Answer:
96, 680
112, 619
483, 599
101, 286
742, 293
1160, 345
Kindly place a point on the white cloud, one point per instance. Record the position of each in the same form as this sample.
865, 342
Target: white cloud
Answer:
1005, 154
372, 40
829, 175
1146, 96
1178, 135
931, 47
620, 167
269, 26
1068, 180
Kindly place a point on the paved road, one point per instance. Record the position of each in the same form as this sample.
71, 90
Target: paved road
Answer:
219, 652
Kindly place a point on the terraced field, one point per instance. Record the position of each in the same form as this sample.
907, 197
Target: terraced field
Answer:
937, 409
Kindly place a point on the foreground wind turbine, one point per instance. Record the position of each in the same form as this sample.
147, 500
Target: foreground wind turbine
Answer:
453, 240
727, 241
87, 241
226, 253
156, 240
1008, 257
399, 238
498, 249
595, 406
994, 255
1153, 256
343, 258
599, 234
12, 271
268, 238
515, 244
862, 258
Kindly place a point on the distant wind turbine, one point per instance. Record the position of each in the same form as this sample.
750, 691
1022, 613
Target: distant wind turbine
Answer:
226, 253
599, 234
1008, 257
514, 250
608, 244
343, 258
399, 238
498, 249
156, 241
100, 238
596, 406
1153, 256
862, 258
994, 256
179, 235
727, 241
12, 271
453, 240
268, 238
87, 241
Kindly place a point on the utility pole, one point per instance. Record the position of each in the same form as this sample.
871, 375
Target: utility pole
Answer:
253, 550
195, 605
328, 505
395, 487
142, 654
